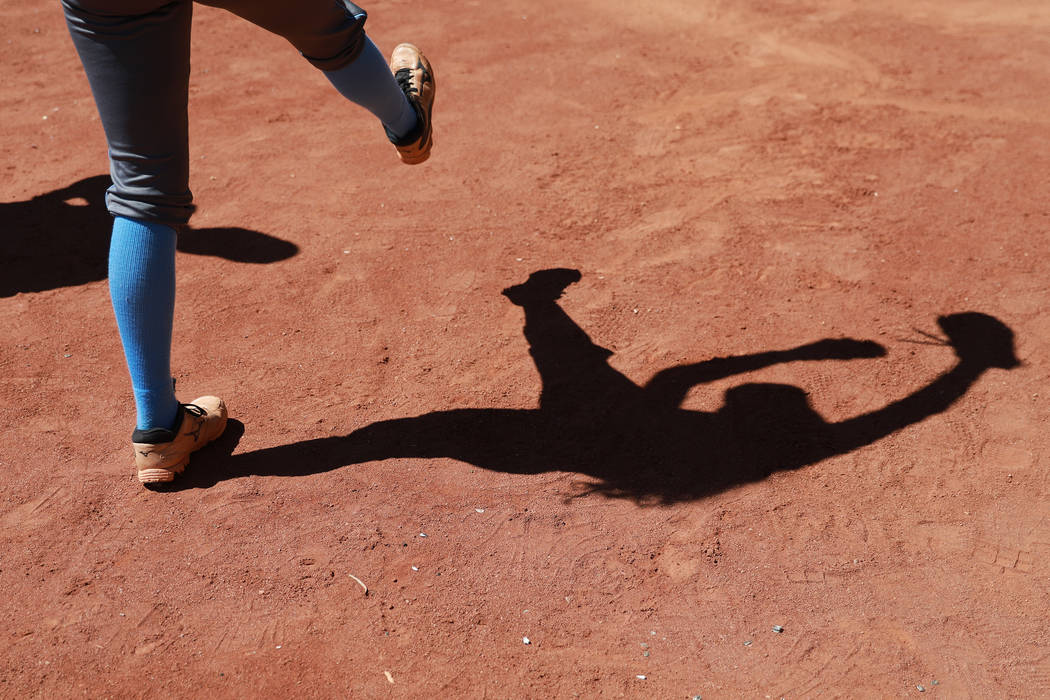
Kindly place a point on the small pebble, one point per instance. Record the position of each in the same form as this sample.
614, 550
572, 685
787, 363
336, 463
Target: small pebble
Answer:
526, 640
935, 682
479, 510
778, 629
645, 653
920, 689
747, 643
422, 534
640, 677
415, 568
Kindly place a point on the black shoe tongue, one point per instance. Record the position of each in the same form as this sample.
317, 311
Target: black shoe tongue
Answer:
153, 436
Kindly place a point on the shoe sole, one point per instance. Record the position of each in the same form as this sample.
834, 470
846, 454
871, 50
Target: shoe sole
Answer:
416, 160
162, 476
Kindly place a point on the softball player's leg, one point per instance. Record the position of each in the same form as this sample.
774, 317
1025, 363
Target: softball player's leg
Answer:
136, 56
330, 34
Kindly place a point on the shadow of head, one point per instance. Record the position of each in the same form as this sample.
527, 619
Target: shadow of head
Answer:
763, 409
980, 339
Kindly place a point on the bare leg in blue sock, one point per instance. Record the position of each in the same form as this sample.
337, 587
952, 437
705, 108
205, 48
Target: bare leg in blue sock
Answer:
142, 289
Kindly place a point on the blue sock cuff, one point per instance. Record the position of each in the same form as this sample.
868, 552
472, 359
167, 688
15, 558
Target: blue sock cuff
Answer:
163, 237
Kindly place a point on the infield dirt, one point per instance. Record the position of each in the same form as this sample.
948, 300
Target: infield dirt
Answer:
730, 180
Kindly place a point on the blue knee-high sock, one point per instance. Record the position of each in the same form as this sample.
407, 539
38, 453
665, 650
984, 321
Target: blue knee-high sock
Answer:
142, 288
368, 82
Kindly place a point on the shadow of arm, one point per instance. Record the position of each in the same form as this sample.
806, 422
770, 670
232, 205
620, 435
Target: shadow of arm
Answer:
936, 397
670, 386
980, 342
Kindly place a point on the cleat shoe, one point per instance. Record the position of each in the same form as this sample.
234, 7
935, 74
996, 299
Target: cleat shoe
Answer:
413, 73
161, 454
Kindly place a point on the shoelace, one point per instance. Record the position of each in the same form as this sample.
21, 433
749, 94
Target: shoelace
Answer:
195, 409
403, 76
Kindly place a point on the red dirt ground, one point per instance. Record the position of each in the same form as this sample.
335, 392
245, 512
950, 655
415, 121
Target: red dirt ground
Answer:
730, 178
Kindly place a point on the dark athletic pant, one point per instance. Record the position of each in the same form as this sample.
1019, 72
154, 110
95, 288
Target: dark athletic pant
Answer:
136, 54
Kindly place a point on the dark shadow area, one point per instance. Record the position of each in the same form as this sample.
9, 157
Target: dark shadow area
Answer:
61, 239
636, 441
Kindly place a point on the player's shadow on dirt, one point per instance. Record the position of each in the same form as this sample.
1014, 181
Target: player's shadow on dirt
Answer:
634, 441
61, 239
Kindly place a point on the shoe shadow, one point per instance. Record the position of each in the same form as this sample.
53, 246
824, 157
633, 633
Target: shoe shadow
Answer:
635, 441
61, 239
210, 465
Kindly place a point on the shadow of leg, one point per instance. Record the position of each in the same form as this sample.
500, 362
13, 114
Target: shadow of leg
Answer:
237, 244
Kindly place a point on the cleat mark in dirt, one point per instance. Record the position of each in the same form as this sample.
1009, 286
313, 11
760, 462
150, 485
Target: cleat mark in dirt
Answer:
147, 647
255, 628
90, 541
218, 644
41, 504
149, 614
272, 635
809, 667
807, 577
33, 513
1039, 673
233, 506
1005, 558
1015, 545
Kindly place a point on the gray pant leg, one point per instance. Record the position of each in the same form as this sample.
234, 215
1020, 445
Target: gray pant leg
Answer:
137, 61
328, 33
